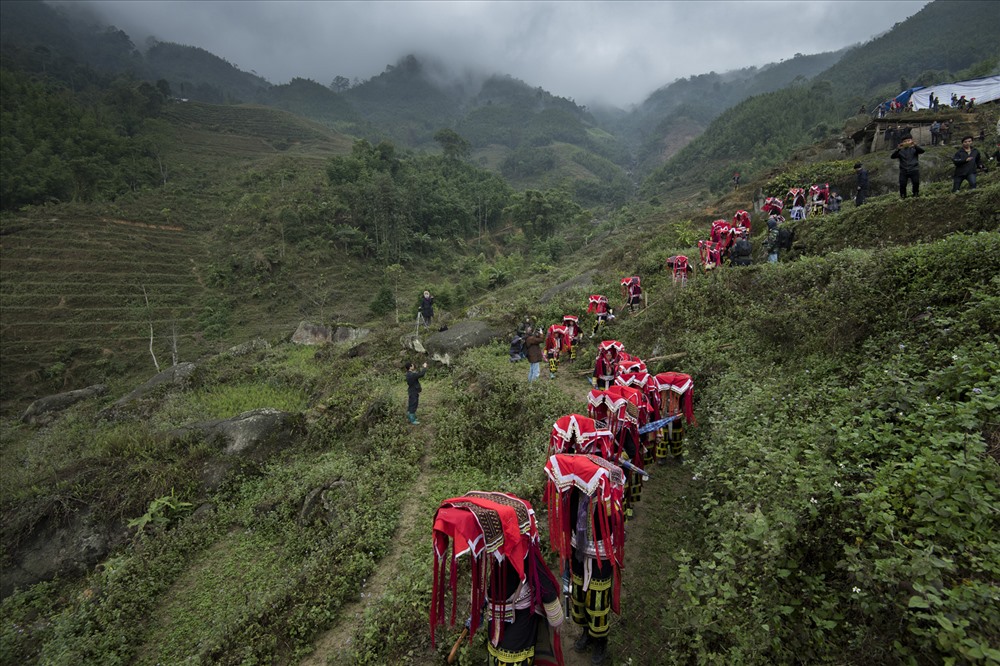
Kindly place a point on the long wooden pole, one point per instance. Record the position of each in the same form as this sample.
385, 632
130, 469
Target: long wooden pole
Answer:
454, 648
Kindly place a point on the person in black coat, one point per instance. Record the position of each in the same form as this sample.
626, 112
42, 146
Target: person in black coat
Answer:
909, 165
427, 308
413, 391
967, 160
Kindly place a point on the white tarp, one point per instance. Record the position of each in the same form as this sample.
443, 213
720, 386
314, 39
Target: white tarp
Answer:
986, 89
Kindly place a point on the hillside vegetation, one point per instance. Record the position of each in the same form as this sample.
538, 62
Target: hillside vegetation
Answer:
839, 501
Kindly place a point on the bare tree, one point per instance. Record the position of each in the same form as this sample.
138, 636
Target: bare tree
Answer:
149, 314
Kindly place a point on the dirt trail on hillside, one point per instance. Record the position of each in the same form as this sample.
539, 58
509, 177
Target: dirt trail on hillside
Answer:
337, 640
652, 536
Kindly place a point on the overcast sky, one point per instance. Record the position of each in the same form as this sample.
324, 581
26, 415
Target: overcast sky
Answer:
613, 51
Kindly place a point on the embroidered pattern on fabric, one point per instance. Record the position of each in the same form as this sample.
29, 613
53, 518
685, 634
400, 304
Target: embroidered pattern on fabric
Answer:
489, 521
523, 517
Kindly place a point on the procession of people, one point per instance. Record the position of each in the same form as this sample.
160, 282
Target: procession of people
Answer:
594, 474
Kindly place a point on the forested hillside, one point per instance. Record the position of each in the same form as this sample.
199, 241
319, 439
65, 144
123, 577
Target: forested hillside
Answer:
184, 483
700, 99
758, 133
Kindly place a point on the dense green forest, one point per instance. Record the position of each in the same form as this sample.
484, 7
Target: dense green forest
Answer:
839, 499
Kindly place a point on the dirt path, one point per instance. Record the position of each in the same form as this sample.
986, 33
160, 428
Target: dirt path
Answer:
652, 536
337, 639
661, 526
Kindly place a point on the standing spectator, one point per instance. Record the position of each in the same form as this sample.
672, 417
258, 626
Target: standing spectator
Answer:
413, 391
736, 181
427, 308
945, 132
533, 349
862, 190
771, 241
892, 137
833, 202
935, 133
908, 155
967, 160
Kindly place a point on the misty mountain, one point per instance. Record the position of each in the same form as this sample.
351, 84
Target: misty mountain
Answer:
315, 101
658, 127
197, 74
763, 130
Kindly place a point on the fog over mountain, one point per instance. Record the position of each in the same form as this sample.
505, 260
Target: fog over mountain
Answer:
613, 52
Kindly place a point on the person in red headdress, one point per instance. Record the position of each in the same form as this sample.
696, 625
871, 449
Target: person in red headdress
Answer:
511, 584
587, 530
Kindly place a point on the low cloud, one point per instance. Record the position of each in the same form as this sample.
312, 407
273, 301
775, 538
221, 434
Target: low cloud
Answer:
617, 52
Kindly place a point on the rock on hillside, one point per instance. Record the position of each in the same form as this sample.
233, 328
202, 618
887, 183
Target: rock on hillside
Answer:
44, 410
445, 345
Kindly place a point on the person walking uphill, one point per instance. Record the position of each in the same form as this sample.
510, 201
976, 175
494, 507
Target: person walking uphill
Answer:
909, 165
413, 391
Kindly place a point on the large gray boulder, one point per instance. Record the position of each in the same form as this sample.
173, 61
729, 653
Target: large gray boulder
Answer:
446, 345
582, 280
311, 334
244, 434
67, 550
250, 436
177, 376
44, 410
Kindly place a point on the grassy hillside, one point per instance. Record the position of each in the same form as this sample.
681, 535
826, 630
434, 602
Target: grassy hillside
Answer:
838, 503
81, 296
207, 246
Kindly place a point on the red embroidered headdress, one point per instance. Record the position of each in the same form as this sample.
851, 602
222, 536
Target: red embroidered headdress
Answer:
682, 387
490, 527
575, 433
597, 303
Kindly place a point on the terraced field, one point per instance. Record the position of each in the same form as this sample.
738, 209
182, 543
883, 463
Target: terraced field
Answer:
79, 295
257, 126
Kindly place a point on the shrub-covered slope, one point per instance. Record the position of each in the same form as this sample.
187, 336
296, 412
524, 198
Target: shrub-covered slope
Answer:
838, 504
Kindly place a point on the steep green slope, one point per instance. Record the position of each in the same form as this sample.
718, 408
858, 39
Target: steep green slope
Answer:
654, 127
839, 503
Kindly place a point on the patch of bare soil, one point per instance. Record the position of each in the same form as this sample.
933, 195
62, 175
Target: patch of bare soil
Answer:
127, 223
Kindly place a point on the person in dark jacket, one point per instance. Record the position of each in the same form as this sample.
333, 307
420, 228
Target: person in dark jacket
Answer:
742, 251
909, 165
967, 160
427, 308
862, 191
413, 391
533, 350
